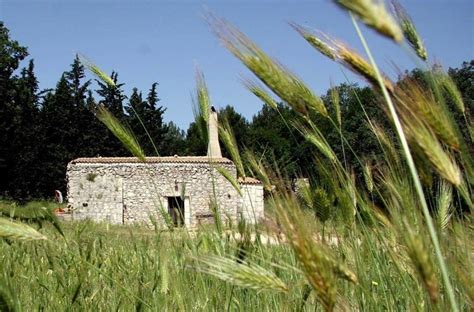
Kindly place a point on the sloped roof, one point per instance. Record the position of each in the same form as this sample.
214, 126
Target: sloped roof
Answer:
167, 159
248, 180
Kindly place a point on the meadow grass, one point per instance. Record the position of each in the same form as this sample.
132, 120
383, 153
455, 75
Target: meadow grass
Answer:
105, 267
392, 241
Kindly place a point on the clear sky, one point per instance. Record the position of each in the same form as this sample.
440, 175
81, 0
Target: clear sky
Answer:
163, 41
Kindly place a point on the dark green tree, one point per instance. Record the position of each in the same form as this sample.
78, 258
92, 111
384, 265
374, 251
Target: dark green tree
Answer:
356, 105
174, 142
273, 138
112, 98
146, 120
195, 143
136, 114
11, 54
59, 129
154, 123
27, 142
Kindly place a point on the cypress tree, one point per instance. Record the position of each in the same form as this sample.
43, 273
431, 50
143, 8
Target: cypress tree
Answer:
154, 122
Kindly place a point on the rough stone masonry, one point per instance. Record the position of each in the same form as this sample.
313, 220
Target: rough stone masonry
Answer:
186, 191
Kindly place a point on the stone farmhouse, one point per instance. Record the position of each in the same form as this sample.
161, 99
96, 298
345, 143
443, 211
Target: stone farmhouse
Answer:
124, 190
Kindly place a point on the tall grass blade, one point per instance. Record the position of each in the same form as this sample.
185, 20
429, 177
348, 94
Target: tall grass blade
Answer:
7, 299
420, 257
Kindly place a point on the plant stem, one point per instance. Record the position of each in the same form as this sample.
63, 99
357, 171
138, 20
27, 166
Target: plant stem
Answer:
413, 172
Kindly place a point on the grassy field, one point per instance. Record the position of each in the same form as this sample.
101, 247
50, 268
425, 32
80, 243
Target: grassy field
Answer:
104, 267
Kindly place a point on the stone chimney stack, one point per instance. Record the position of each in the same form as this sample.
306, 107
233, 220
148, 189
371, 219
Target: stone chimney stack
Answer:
213, 148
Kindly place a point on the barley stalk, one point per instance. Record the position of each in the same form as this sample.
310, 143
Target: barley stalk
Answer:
229, 177
18, 231
335, 100
243, 274
343, 55
414, 174
281, 81
420, 258
374, 14
202, 105
96, 71
409, 30
260, 93
121, 132
228, 138
444, 205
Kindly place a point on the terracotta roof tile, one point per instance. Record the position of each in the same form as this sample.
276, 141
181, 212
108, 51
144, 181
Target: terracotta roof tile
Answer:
248, 180
167, 159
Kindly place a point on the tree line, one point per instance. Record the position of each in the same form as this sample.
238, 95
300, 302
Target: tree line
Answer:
42, 130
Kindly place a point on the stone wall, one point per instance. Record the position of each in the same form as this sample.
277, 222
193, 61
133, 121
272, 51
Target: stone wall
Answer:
136, 192
252, 208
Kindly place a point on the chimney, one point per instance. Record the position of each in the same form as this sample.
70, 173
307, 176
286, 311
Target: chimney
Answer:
213, 148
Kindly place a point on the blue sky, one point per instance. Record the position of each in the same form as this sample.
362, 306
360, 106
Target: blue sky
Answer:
164, 41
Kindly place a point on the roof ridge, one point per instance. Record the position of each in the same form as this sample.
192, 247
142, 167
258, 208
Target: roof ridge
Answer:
152, 159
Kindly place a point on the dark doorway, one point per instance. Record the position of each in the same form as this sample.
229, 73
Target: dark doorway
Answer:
176, 210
